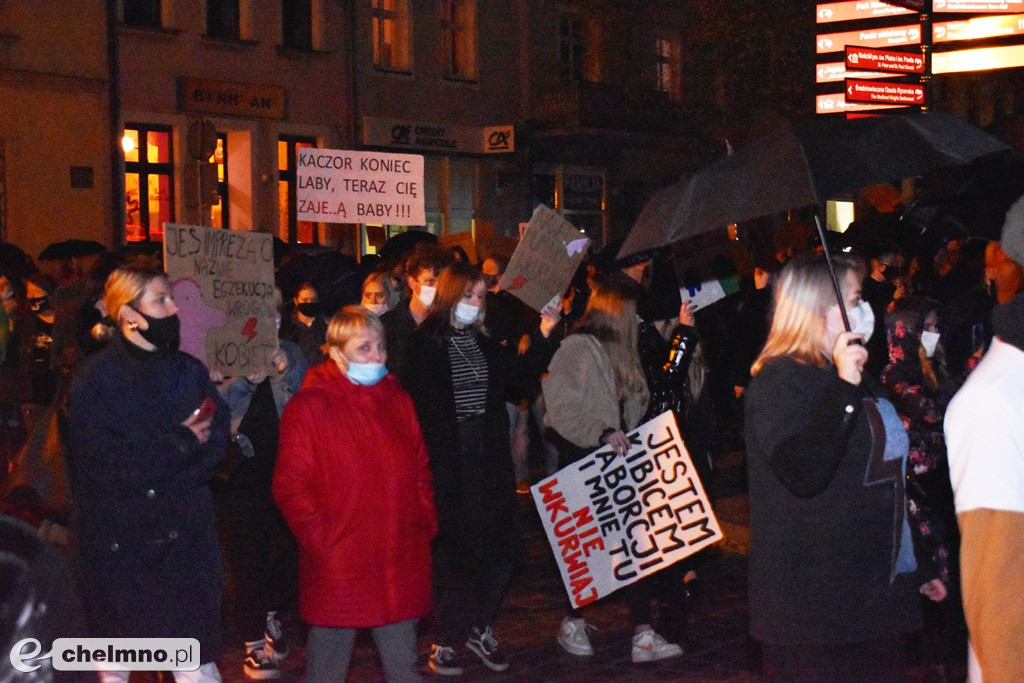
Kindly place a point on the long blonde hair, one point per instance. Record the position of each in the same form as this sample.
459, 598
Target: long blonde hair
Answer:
124, 287
803, 295
610, 317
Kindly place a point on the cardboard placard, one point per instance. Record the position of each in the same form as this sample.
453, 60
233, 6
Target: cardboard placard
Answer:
707, 293
223, 285
612, 520
345, 186
545, 260
462, 239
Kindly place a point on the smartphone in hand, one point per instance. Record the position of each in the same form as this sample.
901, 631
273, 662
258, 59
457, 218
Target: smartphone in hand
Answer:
205, 410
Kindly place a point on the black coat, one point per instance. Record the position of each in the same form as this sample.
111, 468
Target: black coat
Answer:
822, 522
143, 527
486, 529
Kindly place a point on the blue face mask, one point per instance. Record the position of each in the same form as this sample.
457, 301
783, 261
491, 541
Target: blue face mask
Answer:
366, 374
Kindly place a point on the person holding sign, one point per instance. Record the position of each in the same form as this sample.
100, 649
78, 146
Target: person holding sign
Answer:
831, 577
455, 374
147, 430
353, 483
595, 393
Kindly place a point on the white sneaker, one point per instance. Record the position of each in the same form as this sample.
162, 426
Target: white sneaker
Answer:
648, 646
573, 638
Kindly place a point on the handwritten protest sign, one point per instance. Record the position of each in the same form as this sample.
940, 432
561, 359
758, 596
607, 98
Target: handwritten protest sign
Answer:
223, 284
707, 293
612, 520
544, 261
345, 186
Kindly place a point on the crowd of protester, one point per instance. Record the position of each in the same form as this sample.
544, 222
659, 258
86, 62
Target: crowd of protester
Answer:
367, 478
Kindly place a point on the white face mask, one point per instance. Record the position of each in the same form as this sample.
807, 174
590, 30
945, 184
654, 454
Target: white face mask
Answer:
426, 295
377, 309
466, 313
862, 320
929, 340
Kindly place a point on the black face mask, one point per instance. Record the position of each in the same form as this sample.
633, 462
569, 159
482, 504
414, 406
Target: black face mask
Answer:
163, 333
310, 309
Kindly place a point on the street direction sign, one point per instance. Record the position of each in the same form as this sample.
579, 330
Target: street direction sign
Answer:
978, 59
980, 27
834, 72
870, 59
978, 5
830, 12
884, 92
916, 5
836, 103
908, 34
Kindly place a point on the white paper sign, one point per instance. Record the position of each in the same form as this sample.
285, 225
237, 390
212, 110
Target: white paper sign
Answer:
612, 520
345, 186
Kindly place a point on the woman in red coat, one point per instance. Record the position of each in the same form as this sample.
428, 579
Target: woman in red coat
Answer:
353, 482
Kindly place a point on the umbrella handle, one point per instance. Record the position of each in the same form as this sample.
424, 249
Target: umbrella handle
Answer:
832, 274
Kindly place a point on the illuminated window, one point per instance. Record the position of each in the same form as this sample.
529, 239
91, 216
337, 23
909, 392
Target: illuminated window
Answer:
219, 211
297, 24
392, 42
458, 39
289, 228
222, 19
148, 181
668, 67
144, 13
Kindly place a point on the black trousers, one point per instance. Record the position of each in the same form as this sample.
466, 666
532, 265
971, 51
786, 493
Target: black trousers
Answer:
873, 661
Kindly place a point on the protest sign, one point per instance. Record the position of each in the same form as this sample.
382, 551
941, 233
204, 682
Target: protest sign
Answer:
223, 285
544, 261
707, 293
462, 239
612, 519
345, 186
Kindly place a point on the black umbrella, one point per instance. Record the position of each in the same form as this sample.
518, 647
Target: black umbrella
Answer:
401, 244
974, 201
811, 161
71, 248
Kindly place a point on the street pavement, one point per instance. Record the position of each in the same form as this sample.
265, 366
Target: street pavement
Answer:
717, 648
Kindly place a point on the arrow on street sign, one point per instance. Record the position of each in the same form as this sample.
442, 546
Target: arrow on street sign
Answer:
868, 59
835, 103
884, 92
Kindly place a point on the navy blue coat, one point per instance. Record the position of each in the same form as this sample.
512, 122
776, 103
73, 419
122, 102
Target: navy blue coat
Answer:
143, 528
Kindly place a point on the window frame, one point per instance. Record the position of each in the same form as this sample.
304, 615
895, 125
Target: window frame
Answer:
289, 175
222, 182
378, 17
154, 22
307, 25
671, 64
145, 168
451, 28
219, 35
573, 70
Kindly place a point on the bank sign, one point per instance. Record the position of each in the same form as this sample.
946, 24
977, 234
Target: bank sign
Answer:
402, 134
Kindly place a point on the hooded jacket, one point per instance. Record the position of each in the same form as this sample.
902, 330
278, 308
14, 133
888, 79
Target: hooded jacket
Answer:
353, 482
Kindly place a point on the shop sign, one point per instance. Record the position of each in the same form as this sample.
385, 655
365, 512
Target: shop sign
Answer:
401, 134
204, 96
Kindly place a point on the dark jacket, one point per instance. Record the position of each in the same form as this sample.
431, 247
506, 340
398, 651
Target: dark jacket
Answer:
143, 528
398, 325
486, 523
821, 531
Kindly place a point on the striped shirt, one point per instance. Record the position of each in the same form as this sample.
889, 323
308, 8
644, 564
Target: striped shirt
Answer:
469, 374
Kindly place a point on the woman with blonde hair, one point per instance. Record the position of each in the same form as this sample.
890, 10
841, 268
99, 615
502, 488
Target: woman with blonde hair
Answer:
831, 564
147, 430
595, 393
352, 481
